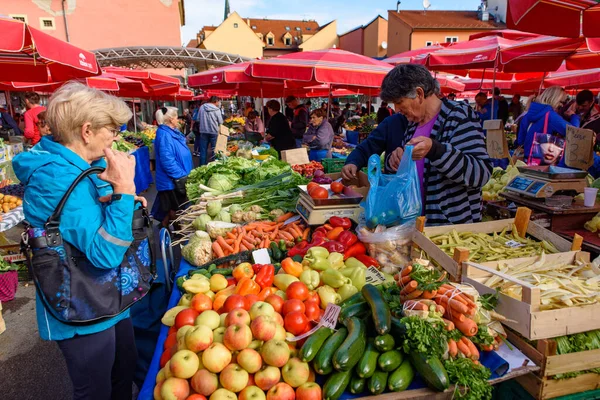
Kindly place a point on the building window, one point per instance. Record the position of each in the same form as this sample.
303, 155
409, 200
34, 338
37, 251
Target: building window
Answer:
451, 39
270, 41
253, 26
308, 29
47, 23
19, 17
298, 28
235, 25
287, 28
288, 41
427, 44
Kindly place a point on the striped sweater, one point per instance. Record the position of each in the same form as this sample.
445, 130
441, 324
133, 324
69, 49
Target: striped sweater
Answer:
454, 177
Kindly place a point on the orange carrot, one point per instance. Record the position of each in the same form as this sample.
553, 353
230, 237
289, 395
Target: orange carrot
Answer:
456, 296
468, 327
463, 348
285, 217
405, 279
287, 235
409, 288
476, 363
415, 305
247, 244
305, 234
218, 250
267, 243
224, 244
413, 295
472, 348
269, 228
458, 306
429, 294
406, 270
488, 347
230, 235
243, 248
440, 309
452, 348
449, 324
236, 245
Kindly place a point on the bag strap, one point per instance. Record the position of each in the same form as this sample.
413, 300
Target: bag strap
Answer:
546, 122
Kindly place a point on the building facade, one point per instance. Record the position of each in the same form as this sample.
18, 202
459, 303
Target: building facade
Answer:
369, 40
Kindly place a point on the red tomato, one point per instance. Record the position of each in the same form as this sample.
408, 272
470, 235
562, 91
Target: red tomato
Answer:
314, 297
311, 185
201, 302
319, 193
295, 323
250, 299
186, 317
172, 330
321, 313
337, 187
312, 310
276, 302
195, 396
165, 357
297, 290
171, 340
234, 301
291, 306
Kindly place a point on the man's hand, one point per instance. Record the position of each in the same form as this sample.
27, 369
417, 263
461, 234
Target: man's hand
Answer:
422, 146
349, 172
395, 157
108, 197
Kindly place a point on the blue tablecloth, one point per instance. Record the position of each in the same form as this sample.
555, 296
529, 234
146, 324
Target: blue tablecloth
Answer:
143, 176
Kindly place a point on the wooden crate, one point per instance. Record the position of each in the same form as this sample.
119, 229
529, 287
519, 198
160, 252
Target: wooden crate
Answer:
543, 388
526, 316
453, 265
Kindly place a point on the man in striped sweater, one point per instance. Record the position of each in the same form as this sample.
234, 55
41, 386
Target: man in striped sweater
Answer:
448, 140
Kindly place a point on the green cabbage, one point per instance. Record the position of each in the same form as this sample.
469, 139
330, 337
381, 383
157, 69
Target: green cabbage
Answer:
199, 223
213, 207
221, 182
223, 216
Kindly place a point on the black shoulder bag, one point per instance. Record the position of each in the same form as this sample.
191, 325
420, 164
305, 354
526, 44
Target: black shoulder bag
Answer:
74, 290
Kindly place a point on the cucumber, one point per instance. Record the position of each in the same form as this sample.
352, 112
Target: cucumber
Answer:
390, 360
382, 315
402, 377
349, 353
385, 342
276, 251
355, 298
378, 382
322, 362
313, 344
355, 310
431, 369
357, 384
398, 329
368, 362
223, 271
336, 384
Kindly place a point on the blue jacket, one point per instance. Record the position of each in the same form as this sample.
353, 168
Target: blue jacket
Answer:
210, 118
533, 122
7, 121
486, 113
92, 227
173, 157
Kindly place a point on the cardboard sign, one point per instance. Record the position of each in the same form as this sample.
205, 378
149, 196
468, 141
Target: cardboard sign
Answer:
223, 130
497, 146
579, 148
261, 257
221, 145
295, 156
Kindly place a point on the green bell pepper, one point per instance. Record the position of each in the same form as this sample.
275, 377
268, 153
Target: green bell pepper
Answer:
353, 262
310, 278
282, 281
357, 275
336, 260
316, 258
334, 278
328, 295
347, 291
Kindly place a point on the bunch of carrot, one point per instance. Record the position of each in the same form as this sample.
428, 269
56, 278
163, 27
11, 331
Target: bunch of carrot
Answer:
410, 289
465, 346
259, 235
459, 308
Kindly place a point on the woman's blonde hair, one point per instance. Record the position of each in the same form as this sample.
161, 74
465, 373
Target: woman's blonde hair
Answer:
75, 104
162, 115
552, 96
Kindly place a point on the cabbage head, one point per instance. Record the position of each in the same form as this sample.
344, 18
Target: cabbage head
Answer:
213, 207
220, 182
199, 223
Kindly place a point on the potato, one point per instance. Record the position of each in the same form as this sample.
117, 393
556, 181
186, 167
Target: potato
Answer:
8, 198
19, 202
169, 318
5, 208
12, 206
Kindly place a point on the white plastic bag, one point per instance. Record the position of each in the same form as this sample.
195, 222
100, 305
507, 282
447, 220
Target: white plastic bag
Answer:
391, 247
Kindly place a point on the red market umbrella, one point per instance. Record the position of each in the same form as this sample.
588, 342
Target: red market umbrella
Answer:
155, 84
227, 75
566, 18
29, 55
583, 79
485, 84
182, 95
505, 33
332, 66
418, 56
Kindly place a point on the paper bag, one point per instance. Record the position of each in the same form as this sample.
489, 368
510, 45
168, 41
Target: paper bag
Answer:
579, 148
497, 146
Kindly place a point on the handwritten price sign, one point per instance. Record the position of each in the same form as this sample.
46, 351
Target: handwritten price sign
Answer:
374, 276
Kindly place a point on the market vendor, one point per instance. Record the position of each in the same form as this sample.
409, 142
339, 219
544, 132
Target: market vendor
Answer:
254, 124
319, 136
448, 141
279, 133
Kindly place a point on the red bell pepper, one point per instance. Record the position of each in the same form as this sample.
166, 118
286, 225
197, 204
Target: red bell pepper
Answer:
368, 261
356, 249
340, 222
319, 234
265, 276
347, 238
334, 247
318, 241
231, 281
335, 233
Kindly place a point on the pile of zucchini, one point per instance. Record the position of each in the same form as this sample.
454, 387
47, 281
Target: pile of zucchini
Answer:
364, 355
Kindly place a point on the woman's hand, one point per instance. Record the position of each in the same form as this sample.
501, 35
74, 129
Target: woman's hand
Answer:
107, 198
422, 146
395, 157
119, 172
349, 172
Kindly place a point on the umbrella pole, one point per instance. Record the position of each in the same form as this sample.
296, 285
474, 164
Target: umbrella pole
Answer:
134, 116
541, 84
262, 105
493, 89
329, 103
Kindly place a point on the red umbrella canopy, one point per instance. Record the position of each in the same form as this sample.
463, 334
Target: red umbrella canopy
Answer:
29, 55
418, 56
154, 83
566, 18
582, 79
227, 75
505, 33
331, 66
182, 95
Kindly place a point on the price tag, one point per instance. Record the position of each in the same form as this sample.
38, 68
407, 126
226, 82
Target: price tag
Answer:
329, 320
255, 153
513, 244
261, 257
290, 220
374, 276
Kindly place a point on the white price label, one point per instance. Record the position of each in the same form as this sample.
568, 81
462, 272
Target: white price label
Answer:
329, 320
374, 276
255, 153
513, 244
261, 257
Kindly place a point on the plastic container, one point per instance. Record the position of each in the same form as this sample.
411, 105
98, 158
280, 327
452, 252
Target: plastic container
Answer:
332, 165
352, 137
589, 196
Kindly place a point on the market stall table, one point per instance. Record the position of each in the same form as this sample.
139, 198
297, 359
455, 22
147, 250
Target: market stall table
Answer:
143, 176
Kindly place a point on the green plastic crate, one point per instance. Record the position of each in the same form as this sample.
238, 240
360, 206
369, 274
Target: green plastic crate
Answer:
333, 165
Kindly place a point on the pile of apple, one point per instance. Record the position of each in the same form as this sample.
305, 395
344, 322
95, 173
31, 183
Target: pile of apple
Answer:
240, 354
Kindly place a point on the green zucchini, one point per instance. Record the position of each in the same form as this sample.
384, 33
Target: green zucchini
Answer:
276, 251
313, 344
385, 342
357, 384
402, 377
378, 382
283, 247
223, 271
322, 363
398, 329
368, 362
431, 369
379, 308
297, 258
336, 384
390, 360
355, 310
355, 298
349, 353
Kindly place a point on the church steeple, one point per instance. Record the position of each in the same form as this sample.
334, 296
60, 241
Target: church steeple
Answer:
226, 10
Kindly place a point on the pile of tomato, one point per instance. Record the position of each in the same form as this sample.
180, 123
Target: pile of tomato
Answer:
317, 191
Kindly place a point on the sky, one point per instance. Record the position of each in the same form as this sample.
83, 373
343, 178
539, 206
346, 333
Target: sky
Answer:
349, 13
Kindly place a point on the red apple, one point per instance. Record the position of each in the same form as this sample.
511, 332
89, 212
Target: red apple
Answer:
175, 389
295, 372
237, 337
223, 394
263, 327
216, 357
281, 391
280, 333
308, 391
184, 364
276, 302
234, 378
261, 308
252, 393
157, 388
198, 338
204, 382
185, 317
196, 396
237, 316
250, 360
278, 318
267, 377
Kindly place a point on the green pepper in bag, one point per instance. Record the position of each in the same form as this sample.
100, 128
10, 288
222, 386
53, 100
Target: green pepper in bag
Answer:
336, 260
317, 258
333, 278
310, 278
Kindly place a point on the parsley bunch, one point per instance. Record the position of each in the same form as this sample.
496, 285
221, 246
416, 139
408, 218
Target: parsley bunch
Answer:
483, 336
427, 279
471, 380
489, 301
423, 337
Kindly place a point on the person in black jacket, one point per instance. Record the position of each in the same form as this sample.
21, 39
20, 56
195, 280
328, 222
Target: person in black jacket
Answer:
279, 132
383, 112
502, 105
300, 120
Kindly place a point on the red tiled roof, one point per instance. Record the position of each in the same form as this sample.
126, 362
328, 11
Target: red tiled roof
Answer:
192, 43
434, 19
209, 28
279, 27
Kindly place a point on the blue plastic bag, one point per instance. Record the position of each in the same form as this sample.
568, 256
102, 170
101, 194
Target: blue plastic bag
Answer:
393, 199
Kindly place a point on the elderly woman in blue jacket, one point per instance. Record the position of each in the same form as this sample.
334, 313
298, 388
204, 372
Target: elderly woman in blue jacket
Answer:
173, 163
97, 220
